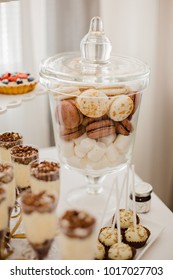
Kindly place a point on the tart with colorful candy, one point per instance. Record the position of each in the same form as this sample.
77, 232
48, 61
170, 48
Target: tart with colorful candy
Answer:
16, 83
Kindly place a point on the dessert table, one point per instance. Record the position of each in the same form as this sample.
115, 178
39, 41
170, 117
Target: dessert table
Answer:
161, 247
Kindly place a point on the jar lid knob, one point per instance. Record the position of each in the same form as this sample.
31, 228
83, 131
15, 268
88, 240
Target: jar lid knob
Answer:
95, 46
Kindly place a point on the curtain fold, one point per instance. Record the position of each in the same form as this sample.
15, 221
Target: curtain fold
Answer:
144, 29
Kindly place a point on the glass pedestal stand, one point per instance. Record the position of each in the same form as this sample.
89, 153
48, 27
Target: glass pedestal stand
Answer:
96, 197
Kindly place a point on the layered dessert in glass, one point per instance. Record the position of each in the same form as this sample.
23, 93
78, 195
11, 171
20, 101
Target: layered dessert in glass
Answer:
7, 141
22, 156
40, 221
7, 178
45, 176
3, 216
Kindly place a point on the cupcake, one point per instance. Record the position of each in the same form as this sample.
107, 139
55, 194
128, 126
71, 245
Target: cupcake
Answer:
121, 251
100, 251
16, 83
107, 237
126, 219
136, 236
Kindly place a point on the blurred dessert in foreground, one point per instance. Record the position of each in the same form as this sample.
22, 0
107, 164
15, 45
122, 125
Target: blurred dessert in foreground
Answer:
7, 179
16, 83
77, 239
7, 141
3, 216
40, 221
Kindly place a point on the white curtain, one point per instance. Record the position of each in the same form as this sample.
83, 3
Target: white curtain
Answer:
139, 28
144, 29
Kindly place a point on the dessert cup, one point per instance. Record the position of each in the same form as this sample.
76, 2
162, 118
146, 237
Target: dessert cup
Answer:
95, 99
8, 181
7, 178
40, 221
45, 176
77, 240
22, 156
7, 141
3, 216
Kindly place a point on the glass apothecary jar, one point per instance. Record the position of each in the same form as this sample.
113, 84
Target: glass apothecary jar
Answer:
95, 99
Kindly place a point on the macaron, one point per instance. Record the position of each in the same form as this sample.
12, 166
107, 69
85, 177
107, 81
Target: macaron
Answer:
136, 96
88, 120
100, 129
113, 91
124, 127
120, 108
70, 134
93, 103
68, 114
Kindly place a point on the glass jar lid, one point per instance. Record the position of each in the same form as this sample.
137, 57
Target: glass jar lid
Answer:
143, 189
94, 64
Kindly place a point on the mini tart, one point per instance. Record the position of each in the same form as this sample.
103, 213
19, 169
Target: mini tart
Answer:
136, 236
121, 251
16, 83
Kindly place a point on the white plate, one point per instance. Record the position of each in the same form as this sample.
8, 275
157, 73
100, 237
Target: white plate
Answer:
155, 229
12, 101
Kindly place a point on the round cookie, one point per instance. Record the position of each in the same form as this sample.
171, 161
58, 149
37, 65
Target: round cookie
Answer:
68, 114
121, 108
124, 127
100, 129
93, 103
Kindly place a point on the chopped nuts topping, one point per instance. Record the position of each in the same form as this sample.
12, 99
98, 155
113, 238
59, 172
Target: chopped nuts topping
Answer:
45, 170
10, 139
24, 154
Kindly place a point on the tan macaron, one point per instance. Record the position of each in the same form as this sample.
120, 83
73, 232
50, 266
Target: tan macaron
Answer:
93, 103
100, 129
121, 108
68, 114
